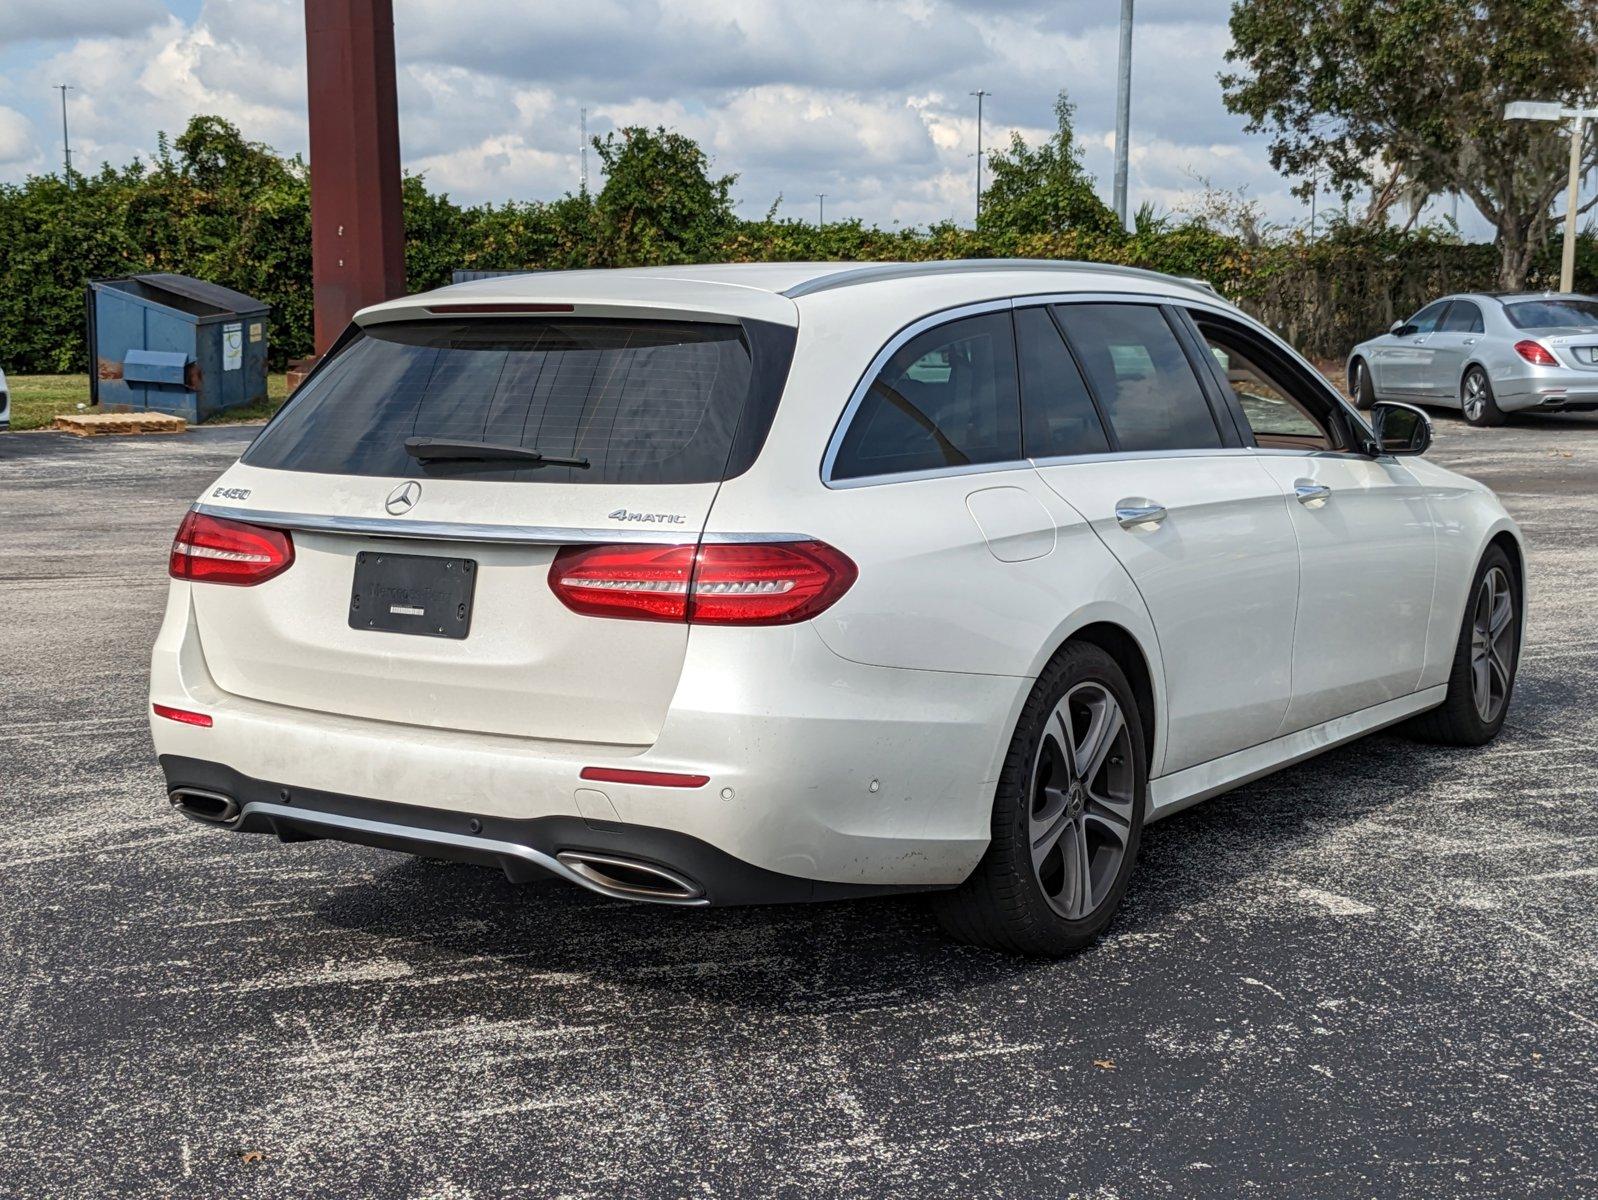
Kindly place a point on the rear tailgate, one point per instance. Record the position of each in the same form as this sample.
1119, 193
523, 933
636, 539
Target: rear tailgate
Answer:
660, 411
528, 666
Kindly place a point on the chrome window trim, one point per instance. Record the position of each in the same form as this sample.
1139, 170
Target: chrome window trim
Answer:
841, 485
465, 531
1066, 460
1215, 305
857, 398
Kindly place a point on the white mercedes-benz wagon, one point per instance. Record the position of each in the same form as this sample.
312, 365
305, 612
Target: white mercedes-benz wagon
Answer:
753, 583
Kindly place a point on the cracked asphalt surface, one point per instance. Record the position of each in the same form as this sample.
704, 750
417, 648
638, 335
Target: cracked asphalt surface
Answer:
1375, 974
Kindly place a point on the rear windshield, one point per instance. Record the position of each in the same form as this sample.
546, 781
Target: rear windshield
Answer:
1553, 314
642, 401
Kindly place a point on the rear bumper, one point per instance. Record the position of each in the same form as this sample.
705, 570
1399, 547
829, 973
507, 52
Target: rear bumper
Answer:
625, 862
1546, 389
821, 770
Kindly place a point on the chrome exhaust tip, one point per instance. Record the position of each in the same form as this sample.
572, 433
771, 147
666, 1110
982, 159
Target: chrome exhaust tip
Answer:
629, 879
212, 807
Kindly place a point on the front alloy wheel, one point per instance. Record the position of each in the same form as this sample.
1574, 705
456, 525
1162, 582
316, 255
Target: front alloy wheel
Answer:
1486, 654
1492, 645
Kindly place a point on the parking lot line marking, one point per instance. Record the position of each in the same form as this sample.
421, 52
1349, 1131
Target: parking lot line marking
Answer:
1338, 906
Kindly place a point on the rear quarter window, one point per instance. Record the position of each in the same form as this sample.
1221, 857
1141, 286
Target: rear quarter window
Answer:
642, 401
947, 398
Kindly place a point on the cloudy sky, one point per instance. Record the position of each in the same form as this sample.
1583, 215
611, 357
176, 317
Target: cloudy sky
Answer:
867, 101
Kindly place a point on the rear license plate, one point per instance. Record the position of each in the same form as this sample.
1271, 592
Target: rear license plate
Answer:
413, 593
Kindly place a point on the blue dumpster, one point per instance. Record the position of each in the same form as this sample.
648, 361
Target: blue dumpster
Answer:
176, 345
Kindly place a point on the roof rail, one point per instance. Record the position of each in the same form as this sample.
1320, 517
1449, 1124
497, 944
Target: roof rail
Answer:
875, 272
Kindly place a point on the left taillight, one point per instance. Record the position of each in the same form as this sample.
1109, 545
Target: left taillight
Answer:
750, 583
1536, 354
215, 550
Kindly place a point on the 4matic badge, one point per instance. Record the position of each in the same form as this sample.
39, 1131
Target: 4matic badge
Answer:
624, 514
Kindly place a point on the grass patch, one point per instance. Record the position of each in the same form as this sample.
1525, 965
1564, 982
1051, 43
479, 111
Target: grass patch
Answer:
36, 400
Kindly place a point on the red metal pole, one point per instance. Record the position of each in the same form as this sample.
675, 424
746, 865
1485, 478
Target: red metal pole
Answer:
357, 224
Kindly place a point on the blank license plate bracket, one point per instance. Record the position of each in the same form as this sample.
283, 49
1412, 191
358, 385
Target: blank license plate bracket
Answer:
413, 593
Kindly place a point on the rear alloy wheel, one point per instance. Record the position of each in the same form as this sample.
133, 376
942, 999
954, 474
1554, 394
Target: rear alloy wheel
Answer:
1485, 660
1067, 818
1476, 399
1360, 386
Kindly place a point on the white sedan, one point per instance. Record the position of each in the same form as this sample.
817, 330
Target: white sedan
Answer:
753, 583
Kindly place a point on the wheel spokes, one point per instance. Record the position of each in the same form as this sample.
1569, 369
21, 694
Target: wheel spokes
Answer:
1080, 819
1090, 755
1046, 833
1492, 643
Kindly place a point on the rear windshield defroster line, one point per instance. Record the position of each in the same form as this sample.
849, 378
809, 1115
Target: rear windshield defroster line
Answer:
640, 401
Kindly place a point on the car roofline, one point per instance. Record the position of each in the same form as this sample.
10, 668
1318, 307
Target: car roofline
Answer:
881, 272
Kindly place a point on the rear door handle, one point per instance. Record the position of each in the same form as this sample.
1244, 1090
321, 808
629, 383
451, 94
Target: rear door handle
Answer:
1139, 514
1311, 495
1470, 341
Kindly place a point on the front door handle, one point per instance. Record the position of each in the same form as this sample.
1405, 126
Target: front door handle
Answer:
1139, 514
1311, 495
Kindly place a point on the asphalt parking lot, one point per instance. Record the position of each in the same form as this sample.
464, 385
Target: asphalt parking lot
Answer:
1375, 974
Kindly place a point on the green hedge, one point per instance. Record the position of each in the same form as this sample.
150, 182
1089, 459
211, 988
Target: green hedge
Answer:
216, 206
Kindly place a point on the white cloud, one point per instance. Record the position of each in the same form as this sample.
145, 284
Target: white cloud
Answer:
868, 102
16, 139
24, 21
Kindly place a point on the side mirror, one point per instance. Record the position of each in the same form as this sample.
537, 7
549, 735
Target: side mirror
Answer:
1400, 428
1401, 329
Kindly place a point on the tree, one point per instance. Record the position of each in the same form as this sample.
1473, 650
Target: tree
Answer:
659, 203
1045, 190
1358, 92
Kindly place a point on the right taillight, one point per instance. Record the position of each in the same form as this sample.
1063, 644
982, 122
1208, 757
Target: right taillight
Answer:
747, 583
1536, 354
215, 550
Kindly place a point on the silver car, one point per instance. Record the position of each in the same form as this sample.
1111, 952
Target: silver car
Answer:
1487, 354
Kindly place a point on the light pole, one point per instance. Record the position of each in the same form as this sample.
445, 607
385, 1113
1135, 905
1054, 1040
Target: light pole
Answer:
821, 210
1123, 112
1540, 110
66, 142
979, 93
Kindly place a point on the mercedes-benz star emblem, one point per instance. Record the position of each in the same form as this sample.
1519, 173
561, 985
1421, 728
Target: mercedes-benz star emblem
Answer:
403, 498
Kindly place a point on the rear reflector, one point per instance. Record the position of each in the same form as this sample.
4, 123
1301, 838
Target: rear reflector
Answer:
647, 778
183, 715
1536, 353
216, 550
756, 583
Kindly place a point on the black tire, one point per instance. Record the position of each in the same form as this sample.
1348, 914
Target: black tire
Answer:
1479, 407
1006, 903
1459, 720
1360, 386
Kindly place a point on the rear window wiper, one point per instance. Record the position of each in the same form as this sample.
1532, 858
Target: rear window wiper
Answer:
425, 449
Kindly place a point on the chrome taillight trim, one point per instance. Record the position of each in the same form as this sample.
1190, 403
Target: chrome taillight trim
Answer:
469, 531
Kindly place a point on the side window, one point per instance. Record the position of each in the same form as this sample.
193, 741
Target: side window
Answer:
947, 398
1059, 417
1283, 411
1463, 317
1425, 321
1141, 376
